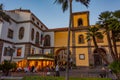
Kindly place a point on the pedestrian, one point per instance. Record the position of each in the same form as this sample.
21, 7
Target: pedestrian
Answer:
103, 72
57, 70
110, 70
32, 68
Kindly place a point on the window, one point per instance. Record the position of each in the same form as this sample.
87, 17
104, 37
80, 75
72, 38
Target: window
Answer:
37, 38
80, 22
47, 40
80, 39
33, 19
19, 51
82, 56
99, 40
38, 23
33, 51
41, 26
6, 52
41, 39
32, 34
21, 33
10, 33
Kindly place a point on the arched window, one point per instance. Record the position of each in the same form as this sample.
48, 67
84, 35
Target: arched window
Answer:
80, 39
32, 34
37, 38
21, 33
41, 39
47, 40
80, 22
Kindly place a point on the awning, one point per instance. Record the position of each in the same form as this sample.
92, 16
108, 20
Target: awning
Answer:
39, 58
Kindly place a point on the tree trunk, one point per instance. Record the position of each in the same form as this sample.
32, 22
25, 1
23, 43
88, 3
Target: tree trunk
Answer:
68, 45
114, 46
110, 46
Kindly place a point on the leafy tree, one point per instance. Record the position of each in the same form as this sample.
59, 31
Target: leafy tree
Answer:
65, 5
6, 66
3, 15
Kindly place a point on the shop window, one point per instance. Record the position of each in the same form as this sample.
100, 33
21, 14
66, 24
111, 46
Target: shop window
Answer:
10, 33
32, 34
80, 22
21, 33
47, 40
19, 51
82, 56
80, 39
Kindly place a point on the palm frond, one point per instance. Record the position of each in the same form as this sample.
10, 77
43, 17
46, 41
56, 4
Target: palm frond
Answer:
105, 16
117, 14
65, 5
59, 1
84, 2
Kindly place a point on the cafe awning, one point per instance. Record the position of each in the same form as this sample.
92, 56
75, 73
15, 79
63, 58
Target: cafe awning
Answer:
39, 57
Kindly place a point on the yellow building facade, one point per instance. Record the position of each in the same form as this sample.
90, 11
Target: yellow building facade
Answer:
82, 51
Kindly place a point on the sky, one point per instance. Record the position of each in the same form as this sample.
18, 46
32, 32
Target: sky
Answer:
52, 15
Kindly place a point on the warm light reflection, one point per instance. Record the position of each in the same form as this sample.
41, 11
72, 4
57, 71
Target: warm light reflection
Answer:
39, 64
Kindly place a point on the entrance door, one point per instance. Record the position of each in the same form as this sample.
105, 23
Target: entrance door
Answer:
97, 60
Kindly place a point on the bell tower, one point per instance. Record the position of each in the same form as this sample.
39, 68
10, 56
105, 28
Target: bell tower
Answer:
80, 19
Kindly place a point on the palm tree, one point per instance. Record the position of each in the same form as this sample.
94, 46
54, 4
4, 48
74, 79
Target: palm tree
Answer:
116, 31
93, 33
105, 18
65, 4
110, 21
3, 15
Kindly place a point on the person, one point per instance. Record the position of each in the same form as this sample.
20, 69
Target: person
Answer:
110, 71
57, 70
32, 68
103, 73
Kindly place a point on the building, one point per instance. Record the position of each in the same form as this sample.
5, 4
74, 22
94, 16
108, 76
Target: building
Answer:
32, 43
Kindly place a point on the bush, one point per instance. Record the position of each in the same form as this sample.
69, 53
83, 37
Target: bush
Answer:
115, 66
6, 66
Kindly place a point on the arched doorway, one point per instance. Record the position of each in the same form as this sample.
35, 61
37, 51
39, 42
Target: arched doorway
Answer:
61, 56
97, 58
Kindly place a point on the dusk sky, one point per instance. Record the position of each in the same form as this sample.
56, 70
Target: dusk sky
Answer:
52, 15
